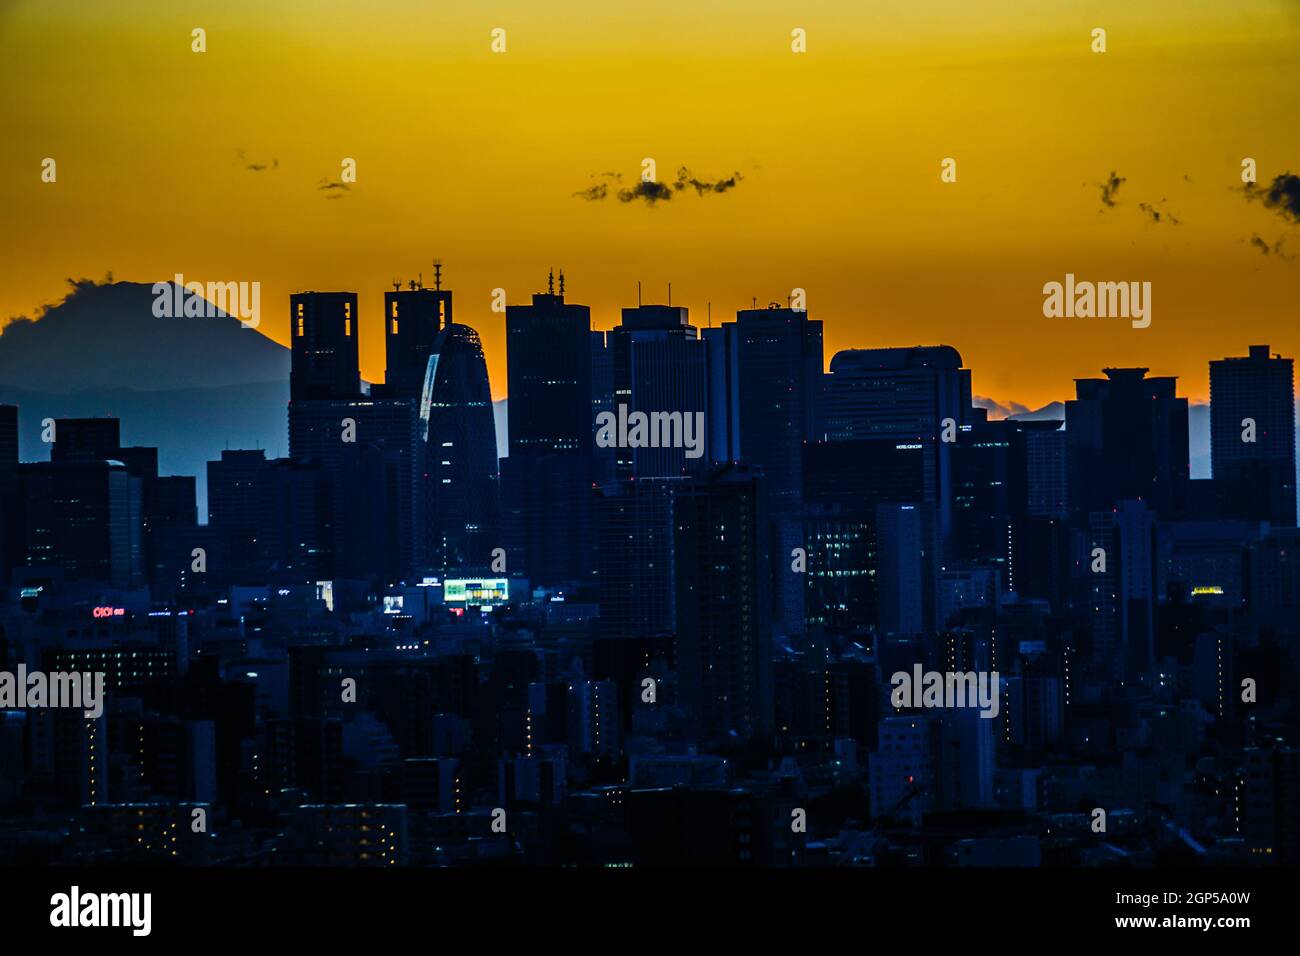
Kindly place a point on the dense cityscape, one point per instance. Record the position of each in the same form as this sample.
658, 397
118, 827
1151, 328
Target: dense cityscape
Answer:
687, 619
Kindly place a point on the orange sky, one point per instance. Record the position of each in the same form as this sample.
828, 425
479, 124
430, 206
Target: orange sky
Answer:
474, 157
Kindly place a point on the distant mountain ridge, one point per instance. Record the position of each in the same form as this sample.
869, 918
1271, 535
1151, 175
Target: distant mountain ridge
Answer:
105, 335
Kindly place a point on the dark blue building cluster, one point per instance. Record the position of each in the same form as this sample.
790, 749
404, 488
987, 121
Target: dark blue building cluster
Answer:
668, 627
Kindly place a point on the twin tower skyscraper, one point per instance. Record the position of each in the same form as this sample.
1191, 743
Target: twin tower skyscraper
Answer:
412, 462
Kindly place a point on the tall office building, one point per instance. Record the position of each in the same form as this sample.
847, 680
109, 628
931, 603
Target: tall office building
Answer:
459, 446
1126, 436
86, 439
636, 557
271, 519
1123, 595
546, 482
368, 446
323, 333
367, 443
1045, 462
79, 516
778, 376
724, 636
905, 600
989, 477
1252, 435
1008, 479
766, 393
242, 509
413, 319
908, 394
844, 483
659, 365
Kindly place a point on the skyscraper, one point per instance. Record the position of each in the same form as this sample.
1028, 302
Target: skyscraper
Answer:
1127, 438
365, 441
78, 516
1122, 598
908, 394
546, 482
659, 365
779, 390
636, 557
768, 367
458, 442
724, 635
413, 318
86, 439
1252, 435
323, 332
844, 483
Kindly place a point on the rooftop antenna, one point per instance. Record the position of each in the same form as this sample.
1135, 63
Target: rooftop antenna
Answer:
561, 283
670, 293
420, 283
709, 306
638, 293
437, 274
550, 282
753, 301
397, 285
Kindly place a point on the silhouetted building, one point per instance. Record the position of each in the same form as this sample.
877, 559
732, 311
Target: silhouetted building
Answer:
1123, 594
413, 319
659, 365
724, 636
546, 482
323, 327
82, 517
910, 394
86, 439
636, 560
844, 484
458, 439
1252, 435
1127, 438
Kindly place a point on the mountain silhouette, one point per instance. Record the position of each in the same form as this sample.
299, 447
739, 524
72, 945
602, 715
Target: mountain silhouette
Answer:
105, 335
188, 386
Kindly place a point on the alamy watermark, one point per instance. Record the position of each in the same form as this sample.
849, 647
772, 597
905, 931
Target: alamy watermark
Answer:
75, 909
22, 689
651, 430
178, 298
946, 689
1102, 300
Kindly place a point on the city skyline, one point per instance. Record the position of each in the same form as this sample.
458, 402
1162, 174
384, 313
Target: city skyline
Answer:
584, 436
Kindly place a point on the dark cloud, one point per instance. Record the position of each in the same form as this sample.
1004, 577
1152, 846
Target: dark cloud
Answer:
1282, 196
593, 193
1260, 243
652, 192
655, 192
1110, 187
333, 188
255, 167
1159, 215
685, 178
